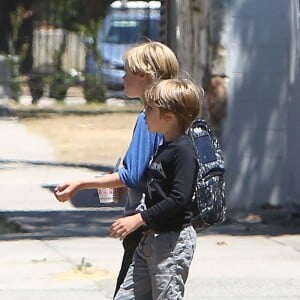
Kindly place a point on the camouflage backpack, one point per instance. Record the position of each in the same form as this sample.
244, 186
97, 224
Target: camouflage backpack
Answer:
209, 202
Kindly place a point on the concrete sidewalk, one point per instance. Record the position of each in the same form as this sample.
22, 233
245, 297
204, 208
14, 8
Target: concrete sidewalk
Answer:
34, 266
63, 251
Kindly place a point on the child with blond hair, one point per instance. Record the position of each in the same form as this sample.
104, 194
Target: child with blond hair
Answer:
144, 63
162, 259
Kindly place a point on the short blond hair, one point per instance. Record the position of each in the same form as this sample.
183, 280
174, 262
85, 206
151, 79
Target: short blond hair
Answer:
152, 58
179, 96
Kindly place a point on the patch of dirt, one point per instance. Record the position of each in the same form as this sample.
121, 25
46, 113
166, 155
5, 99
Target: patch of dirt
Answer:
86, 274
93, 139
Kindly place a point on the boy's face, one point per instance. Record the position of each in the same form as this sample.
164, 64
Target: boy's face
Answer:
153, 117
162, 122
134, 84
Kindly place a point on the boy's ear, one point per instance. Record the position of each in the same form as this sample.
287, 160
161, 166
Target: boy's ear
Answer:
169, 116
143, 76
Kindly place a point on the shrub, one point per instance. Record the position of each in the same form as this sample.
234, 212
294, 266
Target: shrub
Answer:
94, 88
36, 87
59, 83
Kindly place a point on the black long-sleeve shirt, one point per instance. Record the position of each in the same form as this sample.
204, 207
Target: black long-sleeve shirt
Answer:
170, 181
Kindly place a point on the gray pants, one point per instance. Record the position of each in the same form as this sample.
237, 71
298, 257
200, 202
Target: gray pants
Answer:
160, 266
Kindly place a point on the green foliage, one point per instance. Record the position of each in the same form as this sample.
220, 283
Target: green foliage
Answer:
15, 85
16, 19
59, 83
94, 88
90, 32
61, 13
16, 54
14, 75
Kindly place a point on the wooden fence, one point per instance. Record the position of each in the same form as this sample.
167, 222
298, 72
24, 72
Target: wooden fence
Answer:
46, 42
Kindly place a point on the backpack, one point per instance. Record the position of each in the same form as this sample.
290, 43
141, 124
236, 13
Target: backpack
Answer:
208, 202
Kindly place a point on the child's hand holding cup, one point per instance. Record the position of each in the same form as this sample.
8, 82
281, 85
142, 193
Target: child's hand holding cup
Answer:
109, 195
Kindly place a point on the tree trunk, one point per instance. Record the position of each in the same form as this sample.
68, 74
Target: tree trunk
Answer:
192, 37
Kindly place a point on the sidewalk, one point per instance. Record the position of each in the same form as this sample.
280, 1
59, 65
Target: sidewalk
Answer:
66, 253
39, 263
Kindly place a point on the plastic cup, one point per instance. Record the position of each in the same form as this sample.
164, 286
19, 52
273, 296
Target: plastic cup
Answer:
107, 195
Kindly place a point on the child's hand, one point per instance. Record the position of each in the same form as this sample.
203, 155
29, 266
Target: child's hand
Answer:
123, 226
65, 191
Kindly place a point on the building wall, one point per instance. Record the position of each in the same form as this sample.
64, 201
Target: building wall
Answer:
293, 111
257, 137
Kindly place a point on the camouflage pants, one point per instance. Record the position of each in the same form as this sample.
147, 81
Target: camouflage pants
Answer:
160, 266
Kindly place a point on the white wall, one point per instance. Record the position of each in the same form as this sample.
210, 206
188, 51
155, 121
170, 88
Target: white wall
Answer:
257, 37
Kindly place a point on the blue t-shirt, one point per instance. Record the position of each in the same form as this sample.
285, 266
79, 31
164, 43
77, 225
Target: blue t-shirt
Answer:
143, 144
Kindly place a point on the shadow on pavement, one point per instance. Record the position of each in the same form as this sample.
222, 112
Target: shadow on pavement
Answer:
90, 218
61, 224
264, 225
88, 198
96, 223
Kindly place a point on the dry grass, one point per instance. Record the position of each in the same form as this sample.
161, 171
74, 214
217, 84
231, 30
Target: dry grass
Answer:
92, 139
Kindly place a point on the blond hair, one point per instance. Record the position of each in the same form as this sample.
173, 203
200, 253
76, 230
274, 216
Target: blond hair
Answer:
154, 59
179, 96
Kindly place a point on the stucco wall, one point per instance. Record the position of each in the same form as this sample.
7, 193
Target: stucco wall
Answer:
257, 39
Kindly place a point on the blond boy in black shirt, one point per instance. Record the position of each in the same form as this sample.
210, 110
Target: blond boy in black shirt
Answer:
161, 261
